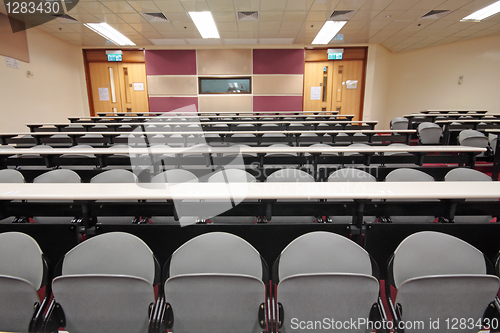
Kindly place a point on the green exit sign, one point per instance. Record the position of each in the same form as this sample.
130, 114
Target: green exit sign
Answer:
335, 56
114, 57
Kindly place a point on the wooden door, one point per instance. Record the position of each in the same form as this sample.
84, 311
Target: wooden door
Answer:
133, 87
317, 86
347, 87
118, 87
105, 87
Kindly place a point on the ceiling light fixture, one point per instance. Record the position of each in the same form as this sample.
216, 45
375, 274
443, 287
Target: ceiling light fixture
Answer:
484, 13
205, 24
110, 33
328, 31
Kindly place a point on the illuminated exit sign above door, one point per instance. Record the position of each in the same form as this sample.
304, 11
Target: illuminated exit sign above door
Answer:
335, 54
114, 55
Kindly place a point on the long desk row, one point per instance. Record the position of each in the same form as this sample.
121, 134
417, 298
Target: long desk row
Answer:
319, 159
227, 118
186, 137
208, 126
183, 112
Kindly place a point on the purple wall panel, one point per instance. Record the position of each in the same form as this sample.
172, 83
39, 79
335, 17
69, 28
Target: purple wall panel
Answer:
278, 61
277, 103
171, 62
168, 104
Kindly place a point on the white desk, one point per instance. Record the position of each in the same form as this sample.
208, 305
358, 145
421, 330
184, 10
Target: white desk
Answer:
243, 150
240, 191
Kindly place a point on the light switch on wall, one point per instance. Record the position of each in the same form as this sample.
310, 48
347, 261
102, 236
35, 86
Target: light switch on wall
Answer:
460, 79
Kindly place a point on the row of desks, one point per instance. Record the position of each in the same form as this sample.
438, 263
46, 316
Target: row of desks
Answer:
183, 137
210, 125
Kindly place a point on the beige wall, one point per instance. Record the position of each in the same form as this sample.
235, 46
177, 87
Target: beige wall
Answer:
428, 78
56, 90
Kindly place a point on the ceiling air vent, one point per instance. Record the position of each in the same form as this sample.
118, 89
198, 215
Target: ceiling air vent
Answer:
248, 16
341, 15
155, 17
436, 14
64, 18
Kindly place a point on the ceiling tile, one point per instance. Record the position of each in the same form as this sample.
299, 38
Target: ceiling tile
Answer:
170, 34
229, 34
224, 16
86, 18
195, 5
123, 28
294, 16
246, 5
109, 18
454, 4
229, 26
290, 26
151, 35
169, 5
318, 16
376, 5
240, 41
402, 4
220, 5
93, 7
184, 26
143, 27
273, 6
132, 18
269, 34
270, 26
271, 16
119, 7
287, 34
144, 6
249, 34
325, 5
178, 17
248, 26
164, 26
299, 5
168, 41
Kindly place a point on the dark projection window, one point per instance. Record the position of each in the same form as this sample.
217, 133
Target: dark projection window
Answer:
216, 85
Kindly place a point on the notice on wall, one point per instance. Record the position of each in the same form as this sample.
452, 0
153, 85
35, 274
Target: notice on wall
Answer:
315, 93
138, 86
11, 62
351, 84
103, 94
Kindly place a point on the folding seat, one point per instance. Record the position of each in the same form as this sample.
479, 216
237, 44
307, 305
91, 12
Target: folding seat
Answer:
350, 175
409, 175
291, 175
399, 123
116, 176
472, 138
429, 133
57, 176
230, 176
465, 174
106, 285
439, 279
23, 272
322, 275
170, 178
215, 282
10, 176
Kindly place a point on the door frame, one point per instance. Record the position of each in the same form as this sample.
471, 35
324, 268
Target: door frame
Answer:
350, 53
92, 55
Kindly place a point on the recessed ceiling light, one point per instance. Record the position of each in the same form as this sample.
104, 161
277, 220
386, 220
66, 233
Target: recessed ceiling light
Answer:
205, 24
484, 13
328, 31
110, 33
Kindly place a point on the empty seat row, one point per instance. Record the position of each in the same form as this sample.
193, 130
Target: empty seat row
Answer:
218, 282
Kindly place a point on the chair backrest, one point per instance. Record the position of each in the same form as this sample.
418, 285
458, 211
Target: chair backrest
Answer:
290, 175
472, 138
175, 176
115, 176
356, 145
280, 145
433, 253
323, 252
232, 176
408, 175
11, 176
216, 252
21, 256
399, 123
58, 176
493, 141
465, 174
322, 145
429, 133
113, 253
351, 175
